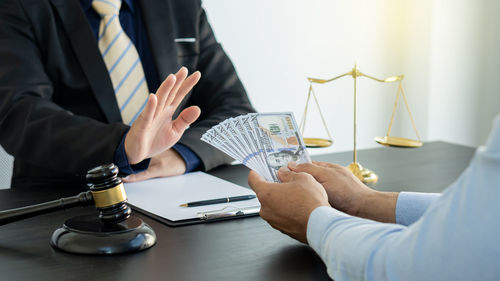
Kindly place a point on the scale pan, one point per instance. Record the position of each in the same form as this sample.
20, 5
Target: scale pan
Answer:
317, 142
396, 141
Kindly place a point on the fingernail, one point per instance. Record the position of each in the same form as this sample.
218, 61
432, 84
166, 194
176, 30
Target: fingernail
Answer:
292, 165
283, 169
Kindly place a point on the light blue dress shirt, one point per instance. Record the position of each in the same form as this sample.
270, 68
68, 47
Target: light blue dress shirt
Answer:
453, 236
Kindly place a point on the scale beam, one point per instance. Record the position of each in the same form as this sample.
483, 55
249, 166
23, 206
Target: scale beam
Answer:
363, 174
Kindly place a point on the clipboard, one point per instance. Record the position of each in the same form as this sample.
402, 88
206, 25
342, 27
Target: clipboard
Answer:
222, 216
160, 199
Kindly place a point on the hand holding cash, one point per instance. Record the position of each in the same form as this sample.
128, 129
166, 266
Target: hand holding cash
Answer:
263, 142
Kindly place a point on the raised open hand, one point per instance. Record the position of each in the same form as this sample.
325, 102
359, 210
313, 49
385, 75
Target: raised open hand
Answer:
154, 131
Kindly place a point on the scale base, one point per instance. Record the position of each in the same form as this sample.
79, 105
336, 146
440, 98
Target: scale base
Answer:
399, 142
88, 235
317, 142
363, 174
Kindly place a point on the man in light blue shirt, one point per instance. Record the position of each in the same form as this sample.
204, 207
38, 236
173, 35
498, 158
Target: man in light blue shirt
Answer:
449, 236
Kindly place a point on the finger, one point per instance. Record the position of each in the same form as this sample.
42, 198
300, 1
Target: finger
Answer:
318, 172
181, 76
163, 92
286, 175
138, 177
256, 182
186, 118
148, 113
326, 164
186, 87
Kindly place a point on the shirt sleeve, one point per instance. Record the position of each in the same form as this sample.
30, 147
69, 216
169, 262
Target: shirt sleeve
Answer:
192, 160
455, 238
121, 161
344, 242
412, 205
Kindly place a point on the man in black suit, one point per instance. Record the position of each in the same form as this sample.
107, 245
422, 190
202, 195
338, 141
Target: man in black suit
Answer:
59, 115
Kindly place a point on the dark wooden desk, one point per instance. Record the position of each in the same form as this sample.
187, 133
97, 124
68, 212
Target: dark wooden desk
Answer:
244, 249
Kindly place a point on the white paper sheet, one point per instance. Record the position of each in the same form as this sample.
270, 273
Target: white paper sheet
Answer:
163, 196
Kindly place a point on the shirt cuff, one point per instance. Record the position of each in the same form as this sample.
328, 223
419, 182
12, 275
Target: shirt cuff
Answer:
410, 206
121, 160
192, 160
318, 224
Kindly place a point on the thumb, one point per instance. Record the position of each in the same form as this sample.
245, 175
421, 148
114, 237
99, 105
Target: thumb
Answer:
185, 118
326, 164
318, 172
285, 175
256, 182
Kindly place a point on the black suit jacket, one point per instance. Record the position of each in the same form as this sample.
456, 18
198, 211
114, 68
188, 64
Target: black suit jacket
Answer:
58, 113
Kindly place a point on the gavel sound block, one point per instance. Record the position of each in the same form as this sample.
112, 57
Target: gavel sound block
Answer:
114, 231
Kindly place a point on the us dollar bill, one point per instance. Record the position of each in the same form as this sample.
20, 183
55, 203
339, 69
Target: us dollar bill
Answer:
263, 142
280, 140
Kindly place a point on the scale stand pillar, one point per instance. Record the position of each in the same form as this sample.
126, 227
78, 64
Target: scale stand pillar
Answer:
363, 174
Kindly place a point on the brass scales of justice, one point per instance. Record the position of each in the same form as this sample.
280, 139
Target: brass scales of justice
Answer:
364, 174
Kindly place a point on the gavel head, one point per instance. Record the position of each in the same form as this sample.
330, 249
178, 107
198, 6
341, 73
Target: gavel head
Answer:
108, 194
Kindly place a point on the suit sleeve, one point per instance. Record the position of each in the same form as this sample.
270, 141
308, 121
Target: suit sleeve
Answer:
220, 95
33, 128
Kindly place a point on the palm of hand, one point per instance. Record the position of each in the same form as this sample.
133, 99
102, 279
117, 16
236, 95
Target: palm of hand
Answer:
154, 131
166, 135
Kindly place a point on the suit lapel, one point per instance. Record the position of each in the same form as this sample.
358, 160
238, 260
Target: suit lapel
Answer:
159, 28
85, 47
159, 25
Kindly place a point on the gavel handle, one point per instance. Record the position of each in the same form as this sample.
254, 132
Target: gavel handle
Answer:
82, 199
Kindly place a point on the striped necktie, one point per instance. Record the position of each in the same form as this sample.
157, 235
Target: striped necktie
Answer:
122, 61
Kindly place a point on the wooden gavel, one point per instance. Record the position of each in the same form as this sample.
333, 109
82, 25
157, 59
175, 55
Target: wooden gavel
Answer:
106, 193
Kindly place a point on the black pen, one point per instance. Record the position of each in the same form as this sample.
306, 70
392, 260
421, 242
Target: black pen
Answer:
218, 201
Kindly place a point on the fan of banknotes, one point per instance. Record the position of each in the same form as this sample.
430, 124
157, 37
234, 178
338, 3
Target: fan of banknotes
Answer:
263, 142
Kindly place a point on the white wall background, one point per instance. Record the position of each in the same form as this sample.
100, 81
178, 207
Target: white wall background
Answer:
447, 49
